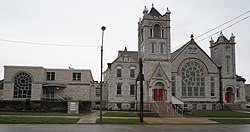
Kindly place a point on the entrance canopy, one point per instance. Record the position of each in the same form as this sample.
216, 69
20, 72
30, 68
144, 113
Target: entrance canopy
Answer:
52, 85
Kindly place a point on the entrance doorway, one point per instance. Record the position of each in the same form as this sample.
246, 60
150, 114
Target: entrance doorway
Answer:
158, 91
229, 96
158, 94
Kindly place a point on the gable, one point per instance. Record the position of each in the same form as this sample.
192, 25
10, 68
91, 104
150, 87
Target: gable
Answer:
126, 56
192, 50
159, 73
154, 12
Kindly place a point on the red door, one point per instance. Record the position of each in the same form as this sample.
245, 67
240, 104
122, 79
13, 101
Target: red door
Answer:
158, 94
228, 97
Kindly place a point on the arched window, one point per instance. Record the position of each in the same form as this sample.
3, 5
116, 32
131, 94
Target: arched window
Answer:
157, 31
193, 79
22, 85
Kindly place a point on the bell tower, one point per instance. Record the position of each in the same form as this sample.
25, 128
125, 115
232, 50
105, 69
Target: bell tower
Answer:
154, 49
154, 35
223, 54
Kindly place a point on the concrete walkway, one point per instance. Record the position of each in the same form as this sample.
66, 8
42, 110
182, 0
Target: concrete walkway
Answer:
90, 118
181, 120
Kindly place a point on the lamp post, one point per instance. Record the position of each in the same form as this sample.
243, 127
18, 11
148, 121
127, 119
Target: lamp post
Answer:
103, 28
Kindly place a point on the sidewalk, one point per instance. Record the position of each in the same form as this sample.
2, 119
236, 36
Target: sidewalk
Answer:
90, 118
180, 120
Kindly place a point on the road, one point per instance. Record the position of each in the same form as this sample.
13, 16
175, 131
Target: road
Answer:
121, 128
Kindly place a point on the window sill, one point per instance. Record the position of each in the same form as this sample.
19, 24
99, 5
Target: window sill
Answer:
118, 95
76, 80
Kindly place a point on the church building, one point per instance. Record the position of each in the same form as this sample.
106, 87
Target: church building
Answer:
188, 77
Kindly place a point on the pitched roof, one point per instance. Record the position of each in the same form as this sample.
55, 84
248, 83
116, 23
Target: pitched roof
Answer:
176, 52
240, 78
154, 12
134, 54
222, 39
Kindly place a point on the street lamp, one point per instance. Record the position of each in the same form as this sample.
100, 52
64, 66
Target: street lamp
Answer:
103, 28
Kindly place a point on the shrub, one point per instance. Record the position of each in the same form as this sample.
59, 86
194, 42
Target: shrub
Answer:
58, 109
35, 106
84, 106
27, 105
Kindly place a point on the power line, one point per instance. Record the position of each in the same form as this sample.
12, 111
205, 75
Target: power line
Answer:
47, 44
218, 27
222, 24
224, 28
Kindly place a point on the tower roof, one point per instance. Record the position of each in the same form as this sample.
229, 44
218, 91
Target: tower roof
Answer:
154, 12
222, 39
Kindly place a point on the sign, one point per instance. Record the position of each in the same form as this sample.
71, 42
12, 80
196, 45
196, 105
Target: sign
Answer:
73, 106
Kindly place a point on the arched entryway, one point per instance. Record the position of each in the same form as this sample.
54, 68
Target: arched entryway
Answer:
229, 95
158, 91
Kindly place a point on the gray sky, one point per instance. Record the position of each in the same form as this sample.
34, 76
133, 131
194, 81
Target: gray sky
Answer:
78, 22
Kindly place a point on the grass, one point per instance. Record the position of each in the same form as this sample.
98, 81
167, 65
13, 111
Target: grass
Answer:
118, 121
232, 121
247, 110
219, 113
120, 114
43, 114
37, 120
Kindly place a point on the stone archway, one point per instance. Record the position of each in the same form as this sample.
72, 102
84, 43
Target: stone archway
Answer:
229, 95
158, 91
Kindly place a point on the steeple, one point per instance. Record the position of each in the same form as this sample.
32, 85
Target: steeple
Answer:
153, 12
232, 38
168, 11
145, 10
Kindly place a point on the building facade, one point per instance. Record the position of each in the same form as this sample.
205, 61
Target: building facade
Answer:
38, 83
187, 77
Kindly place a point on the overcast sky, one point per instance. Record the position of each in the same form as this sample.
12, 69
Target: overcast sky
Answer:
78, 22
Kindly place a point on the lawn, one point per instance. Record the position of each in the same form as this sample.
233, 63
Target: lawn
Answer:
219, 113
43, 114
118, 121
37, 120
232, 121
120, 114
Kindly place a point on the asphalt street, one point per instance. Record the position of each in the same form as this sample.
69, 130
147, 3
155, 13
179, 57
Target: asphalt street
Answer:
121, 128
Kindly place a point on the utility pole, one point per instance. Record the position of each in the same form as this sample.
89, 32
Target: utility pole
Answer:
141, 89
103, 28
220, 82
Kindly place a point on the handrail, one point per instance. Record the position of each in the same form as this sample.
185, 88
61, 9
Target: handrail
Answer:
60, 97
178, 108
157, 107
56, 96
168, 107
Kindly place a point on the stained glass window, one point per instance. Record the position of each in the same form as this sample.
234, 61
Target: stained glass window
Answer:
22, 85
193, 79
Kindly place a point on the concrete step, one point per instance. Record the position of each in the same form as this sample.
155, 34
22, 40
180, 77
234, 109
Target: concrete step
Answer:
165, 109
235, 107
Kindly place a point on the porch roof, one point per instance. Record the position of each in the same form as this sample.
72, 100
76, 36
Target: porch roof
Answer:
54, 85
